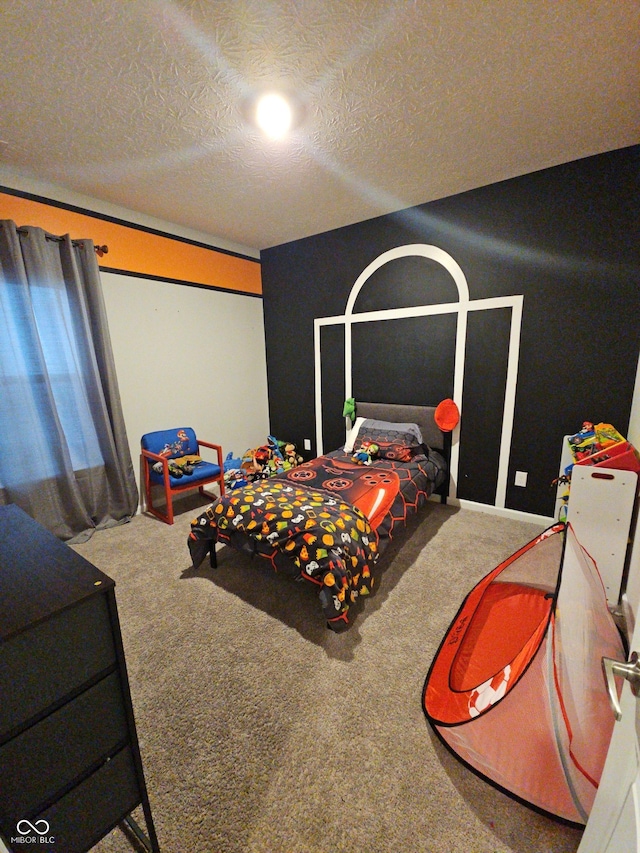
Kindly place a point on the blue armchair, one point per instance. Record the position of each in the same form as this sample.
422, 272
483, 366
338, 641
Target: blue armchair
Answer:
171, 459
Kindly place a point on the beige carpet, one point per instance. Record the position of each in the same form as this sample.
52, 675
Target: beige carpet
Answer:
263, 732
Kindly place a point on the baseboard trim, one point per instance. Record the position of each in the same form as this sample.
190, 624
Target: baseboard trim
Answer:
515, 514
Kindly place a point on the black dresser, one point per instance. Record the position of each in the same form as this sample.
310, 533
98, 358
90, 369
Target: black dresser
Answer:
70, 766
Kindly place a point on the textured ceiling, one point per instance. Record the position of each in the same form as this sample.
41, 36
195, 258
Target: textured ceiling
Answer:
143, 103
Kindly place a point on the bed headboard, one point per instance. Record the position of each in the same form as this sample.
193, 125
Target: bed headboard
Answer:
421, 415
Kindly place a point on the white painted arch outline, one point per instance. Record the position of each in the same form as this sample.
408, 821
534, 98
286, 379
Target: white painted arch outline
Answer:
461, 308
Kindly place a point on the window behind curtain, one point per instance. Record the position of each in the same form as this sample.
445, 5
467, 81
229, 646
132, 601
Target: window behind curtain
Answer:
22, 357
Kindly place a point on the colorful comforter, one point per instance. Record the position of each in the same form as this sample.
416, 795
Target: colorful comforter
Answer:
325, 521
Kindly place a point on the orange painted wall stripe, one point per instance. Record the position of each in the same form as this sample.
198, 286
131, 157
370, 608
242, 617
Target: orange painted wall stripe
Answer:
133, 250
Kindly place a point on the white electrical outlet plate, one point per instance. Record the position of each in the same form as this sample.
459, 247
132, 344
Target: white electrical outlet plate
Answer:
521, 478
307, 444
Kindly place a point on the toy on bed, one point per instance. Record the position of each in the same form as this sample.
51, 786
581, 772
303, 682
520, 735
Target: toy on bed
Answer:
291, 455
267, 460
366, 453
234, 476
260, 459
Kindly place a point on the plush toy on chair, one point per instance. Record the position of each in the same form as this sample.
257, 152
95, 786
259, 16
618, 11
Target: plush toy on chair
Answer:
171, 458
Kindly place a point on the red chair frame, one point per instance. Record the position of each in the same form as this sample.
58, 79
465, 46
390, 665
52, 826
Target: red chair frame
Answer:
148, 459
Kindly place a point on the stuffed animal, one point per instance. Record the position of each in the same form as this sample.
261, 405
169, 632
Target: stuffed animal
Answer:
261, 457
292, 456
366, 453
235, 479
231, 462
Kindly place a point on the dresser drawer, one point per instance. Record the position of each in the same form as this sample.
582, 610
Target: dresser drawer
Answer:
43, 665
48, 757
80, 819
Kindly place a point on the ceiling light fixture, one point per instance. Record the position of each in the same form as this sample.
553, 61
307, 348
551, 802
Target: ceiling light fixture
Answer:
273, 115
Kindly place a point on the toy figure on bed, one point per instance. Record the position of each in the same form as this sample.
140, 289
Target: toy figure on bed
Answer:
291, 456
269, 459
365, 453
260, 460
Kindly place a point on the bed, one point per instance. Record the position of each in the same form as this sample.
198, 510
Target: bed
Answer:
328, 520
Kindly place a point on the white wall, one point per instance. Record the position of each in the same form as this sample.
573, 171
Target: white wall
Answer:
185, 356
188, 356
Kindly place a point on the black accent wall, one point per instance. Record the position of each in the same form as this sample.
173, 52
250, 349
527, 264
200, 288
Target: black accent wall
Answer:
566, 238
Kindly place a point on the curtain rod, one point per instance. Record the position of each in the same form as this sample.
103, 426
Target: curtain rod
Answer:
100, 250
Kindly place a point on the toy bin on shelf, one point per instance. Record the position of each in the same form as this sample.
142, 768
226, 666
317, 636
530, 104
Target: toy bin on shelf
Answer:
622, 456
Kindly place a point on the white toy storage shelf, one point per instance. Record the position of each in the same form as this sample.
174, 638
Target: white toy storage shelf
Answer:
600, 509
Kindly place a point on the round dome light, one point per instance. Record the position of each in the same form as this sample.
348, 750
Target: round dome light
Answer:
273, 115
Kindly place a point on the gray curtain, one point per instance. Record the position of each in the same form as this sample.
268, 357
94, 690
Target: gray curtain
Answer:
64, 455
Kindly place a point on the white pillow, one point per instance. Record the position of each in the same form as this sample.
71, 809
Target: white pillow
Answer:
352, 434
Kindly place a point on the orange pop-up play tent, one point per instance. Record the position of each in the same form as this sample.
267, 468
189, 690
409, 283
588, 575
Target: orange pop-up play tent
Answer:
516, 690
